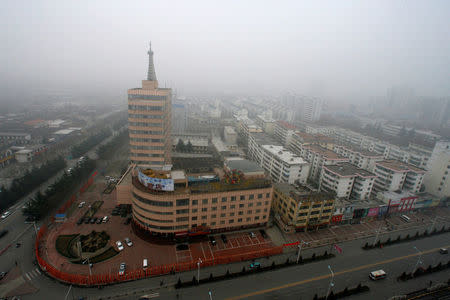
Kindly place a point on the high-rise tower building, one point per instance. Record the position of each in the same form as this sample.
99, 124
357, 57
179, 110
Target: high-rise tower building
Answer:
149, 121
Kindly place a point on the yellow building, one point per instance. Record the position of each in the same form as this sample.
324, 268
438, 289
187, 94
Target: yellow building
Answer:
300, 208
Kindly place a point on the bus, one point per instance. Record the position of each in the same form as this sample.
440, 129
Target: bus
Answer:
405, 218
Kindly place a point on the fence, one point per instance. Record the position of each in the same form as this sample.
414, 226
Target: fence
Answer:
103, 279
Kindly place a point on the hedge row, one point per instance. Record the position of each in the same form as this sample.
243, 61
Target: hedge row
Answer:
344, 293
422, 271
407, 238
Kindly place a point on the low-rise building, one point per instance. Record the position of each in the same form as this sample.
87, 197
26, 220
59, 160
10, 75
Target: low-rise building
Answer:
346, 181
283, 132
394, 175
361, 158
300, 208
319, 157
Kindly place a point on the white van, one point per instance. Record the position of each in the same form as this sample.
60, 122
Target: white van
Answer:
81, 204
377, 275
405, 218
145, 263
105, 219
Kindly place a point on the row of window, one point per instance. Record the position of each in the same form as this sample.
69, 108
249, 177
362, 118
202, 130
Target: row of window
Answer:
145, 108
144, 162
232, 214
166, 213
144, 140
146, 97
232, 199
145, 124
146, 147
146, 131
150, 219
147, 155
141, 116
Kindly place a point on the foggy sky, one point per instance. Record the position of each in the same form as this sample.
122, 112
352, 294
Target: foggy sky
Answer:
348, 50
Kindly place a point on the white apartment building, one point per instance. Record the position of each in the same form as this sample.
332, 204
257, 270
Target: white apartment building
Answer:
319, 157
283, 131
311, 109
280, 164
361, 158
266, 122
437, 180
246, 126
394, 175
347, 181
229, 135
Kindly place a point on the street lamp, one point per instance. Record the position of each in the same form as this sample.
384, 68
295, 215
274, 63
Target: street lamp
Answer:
331, 282
198, 269
210, 295
300, 248
419, 260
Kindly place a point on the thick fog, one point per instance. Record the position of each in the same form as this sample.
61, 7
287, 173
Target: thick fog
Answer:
346, 50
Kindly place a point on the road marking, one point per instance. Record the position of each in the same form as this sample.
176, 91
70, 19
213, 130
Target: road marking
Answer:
288, 285
39, 272
28, 276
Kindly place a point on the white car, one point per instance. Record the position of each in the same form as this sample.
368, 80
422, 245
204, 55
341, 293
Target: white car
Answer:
128, 242
6, 214
119, 245
122, 268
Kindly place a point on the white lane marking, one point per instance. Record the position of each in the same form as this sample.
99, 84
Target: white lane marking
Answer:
28, 276
39, 272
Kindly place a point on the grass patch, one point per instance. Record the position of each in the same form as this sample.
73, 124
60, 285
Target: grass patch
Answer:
63, 245
94, 241
107, 254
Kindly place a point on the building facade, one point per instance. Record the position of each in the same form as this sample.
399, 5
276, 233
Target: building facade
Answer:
299, 208
394, 175
149, 121
437, 180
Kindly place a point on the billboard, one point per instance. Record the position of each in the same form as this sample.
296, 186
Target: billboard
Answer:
157, 184
373, 212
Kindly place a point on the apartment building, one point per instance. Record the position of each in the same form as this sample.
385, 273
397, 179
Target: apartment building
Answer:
437, 180
173, 203
283, 132
266, 122
394, 175
318, 157
359, 157
346, 181
298, 208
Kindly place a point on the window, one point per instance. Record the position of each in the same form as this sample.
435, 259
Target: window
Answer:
266, 203
314, 212
233, 198
257, 211
258, 203
250, 204
260, 196
304, 207
203, 224
194, 202
241, 205
242, 198
256, 218
222, 215
264, 217
251, 197
182, 219
194, 210
224, 199
302, 214
248, 219
232, 206
317, 205
205, 201
240, 220
213, 223
204, 217
204, 209
232, 214
267, 195
224, 207
265, 209
222, 222
194, 218
240, 213
213, 216
182, 211
214, 200
182, 202
214, 208
230, 221
249, 211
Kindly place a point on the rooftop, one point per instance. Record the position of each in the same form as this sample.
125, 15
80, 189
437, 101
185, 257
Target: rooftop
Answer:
399, 166
262, 138
286, 156
286, 125
244, 165
363, 152
301, 193
346, 169
229, 130
324, 152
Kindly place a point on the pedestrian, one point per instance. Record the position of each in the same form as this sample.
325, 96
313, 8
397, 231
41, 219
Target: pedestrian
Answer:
16, 263
431, 282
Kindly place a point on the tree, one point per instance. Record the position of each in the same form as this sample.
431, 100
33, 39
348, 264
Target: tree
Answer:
180, 146
189, 147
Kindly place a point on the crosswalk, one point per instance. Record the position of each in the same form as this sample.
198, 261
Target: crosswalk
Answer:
33, 274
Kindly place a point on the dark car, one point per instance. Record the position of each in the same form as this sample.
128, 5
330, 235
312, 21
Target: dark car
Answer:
80, 221
3, 233
18, 245
224, 238
263, 233
182, 247
128, 221
86, 220
115, 212
99, 221
93, 220
212, 240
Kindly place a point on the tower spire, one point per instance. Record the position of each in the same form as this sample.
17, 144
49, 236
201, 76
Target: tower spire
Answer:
151, 75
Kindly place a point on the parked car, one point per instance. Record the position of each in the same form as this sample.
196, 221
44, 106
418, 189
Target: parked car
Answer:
93, 220
128, 221
3, 274
105, 219
18, 245
29, 220
443, 251
115, 212
182, 247
87, 220
5, 214
128, 242
252, 235
119, 245
224, 238
3, 233
122, 268
80, 221
255, 265
81, 204
99, 221
263, 233
212, 240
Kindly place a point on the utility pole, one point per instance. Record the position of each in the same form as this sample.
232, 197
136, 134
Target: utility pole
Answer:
300, 249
